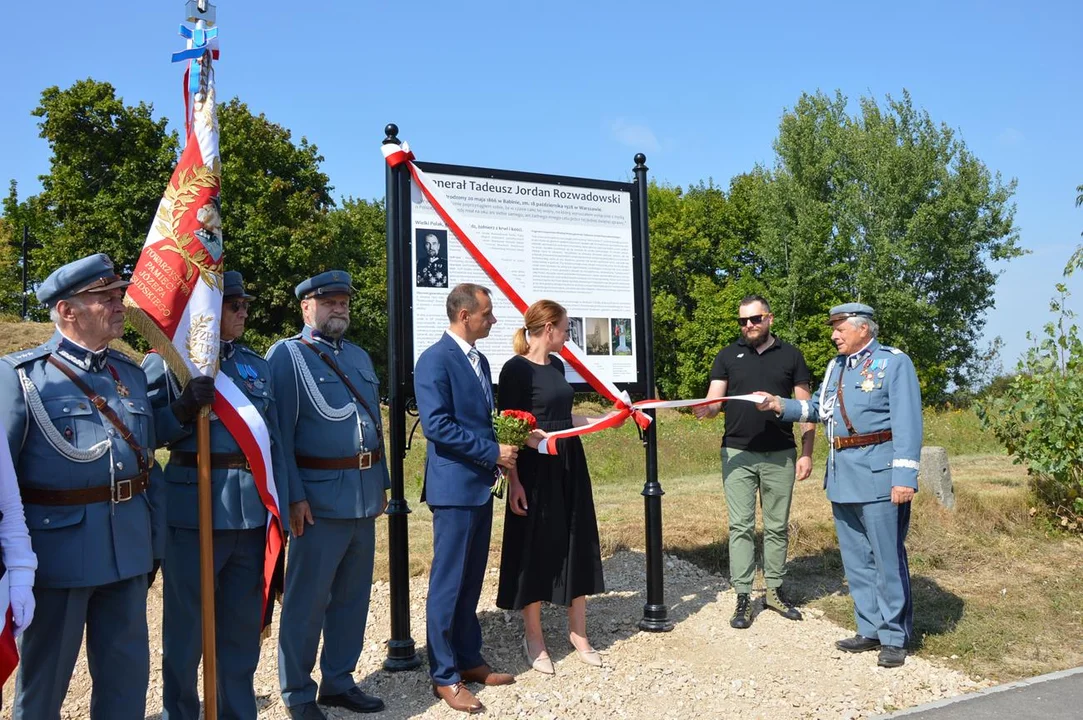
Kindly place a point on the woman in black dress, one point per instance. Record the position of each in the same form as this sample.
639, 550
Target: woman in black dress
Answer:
550, 550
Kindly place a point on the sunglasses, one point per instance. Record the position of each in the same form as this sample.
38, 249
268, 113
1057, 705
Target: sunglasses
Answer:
754, 319
238, 305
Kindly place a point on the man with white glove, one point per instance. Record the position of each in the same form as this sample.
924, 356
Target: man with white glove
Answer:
18, 558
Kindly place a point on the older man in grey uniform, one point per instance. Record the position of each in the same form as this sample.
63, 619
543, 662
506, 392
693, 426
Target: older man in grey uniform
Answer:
328, 404
870, 402
240, 527
81, 433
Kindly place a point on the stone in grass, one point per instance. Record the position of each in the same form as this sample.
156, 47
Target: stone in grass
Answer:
935, 473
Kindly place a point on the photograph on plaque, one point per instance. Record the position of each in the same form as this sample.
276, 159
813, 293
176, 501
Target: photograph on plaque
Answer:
431, 251
622, 336
597, 336
575, 331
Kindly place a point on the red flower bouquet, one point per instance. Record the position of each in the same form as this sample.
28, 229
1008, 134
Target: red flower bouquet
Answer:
512, 427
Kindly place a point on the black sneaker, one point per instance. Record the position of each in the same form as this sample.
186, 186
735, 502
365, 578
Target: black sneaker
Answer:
742, 616
857, 644
891, 656
777, 602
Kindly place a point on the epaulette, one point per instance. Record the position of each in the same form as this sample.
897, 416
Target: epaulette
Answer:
892, 350
24, 356
248, 350
118, 355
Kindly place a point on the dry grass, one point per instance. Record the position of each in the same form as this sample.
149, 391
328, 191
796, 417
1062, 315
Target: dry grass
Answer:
995, 595
16, 336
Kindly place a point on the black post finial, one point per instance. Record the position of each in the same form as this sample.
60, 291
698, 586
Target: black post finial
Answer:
640, 160
392, 132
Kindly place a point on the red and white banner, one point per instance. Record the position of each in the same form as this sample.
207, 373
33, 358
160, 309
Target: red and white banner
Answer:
624, 407
175, 301
9, 654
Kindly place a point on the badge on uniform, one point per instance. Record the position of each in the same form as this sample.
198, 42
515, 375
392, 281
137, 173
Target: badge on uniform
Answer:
252, 380
122, 389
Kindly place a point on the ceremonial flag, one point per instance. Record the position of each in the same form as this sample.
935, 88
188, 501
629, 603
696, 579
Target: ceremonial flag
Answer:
175, 301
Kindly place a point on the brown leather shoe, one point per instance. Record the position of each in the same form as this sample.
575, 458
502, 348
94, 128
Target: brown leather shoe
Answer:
458, 698
484, 674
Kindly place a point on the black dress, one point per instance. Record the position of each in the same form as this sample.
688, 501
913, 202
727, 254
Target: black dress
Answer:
552, 553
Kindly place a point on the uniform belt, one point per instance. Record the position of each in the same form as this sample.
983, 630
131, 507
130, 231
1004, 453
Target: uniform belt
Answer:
861, 440
219, 461
361, 461
120, 491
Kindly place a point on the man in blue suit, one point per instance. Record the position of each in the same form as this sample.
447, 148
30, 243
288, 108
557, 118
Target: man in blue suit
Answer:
328, 401
81, 432
454, 393
870, 402
240, 527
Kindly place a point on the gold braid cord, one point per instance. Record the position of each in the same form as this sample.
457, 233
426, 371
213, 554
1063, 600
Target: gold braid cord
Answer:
158, 340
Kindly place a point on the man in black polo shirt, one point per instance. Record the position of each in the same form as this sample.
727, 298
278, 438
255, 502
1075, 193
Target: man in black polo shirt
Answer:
759, 453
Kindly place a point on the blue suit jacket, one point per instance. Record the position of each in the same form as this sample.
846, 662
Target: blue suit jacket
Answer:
881, 393
460, 464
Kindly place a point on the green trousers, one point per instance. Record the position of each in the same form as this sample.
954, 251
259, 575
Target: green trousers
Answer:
772, 474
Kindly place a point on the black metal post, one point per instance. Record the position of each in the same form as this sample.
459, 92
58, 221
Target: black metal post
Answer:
26, 265
655, 614
401, 652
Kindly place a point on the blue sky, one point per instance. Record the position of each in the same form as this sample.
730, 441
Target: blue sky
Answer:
577, 88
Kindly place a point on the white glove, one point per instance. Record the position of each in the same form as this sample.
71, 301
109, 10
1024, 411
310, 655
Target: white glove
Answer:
22, 606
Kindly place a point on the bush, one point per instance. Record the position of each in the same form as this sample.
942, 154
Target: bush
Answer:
1037, 417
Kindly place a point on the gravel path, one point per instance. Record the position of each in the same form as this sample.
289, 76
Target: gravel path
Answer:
777, 669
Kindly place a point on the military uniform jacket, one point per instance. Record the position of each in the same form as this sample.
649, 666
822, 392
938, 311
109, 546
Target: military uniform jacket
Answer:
236, 501
319, 417
59, 441
880, 389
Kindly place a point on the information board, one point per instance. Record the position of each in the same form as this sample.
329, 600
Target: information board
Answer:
571, 240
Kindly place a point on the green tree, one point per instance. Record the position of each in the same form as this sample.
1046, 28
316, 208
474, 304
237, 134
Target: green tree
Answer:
886, 207
109, 165
1036, 415
280, 227
275, 201
703, 261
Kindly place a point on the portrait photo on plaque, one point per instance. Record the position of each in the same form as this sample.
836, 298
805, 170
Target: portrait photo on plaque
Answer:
575, 331
430, 246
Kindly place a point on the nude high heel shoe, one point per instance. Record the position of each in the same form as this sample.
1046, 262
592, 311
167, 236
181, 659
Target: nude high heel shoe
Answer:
541, 664
588, 657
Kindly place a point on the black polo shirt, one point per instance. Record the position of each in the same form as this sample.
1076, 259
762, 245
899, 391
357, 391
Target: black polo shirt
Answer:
777, 371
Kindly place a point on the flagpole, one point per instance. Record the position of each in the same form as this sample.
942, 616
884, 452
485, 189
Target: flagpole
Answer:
206, 564
202, 13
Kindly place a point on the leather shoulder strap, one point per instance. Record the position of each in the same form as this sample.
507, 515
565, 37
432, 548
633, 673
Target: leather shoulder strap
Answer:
842, 404
103, 407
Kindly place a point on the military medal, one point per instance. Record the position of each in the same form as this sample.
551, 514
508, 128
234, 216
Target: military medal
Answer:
246, 373
867, 385
122, 389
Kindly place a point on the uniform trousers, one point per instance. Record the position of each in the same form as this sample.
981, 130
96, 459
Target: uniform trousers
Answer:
872, 539
771, 474
238, 605
115, 618
328, 586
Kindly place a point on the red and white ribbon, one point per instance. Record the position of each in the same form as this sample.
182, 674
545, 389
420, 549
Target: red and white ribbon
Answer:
548, 446
247, 427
